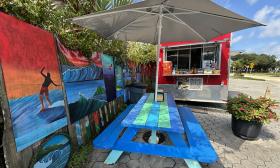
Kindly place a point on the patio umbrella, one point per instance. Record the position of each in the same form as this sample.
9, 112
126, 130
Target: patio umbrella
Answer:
159, 21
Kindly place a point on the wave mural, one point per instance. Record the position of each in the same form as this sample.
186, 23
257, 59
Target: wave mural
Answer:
84, 97
85, 89
55, 153
85, 106
74, 74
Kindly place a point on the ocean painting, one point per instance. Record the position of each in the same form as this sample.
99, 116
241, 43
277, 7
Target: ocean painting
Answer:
54, 153
30, 123
83, 81
85, 94
32, 80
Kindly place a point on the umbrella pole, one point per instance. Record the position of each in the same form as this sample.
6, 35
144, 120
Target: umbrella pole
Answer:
158, 50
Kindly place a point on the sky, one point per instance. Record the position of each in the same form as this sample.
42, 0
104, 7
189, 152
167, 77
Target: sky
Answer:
264, 39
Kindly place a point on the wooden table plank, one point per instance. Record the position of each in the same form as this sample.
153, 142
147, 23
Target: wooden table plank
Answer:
135, 111
144, 113
152, 120
155, 115
175, 118
164, 119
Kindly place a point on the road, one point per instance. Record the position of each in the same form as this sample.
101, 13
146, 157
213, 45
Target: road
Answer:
254, 88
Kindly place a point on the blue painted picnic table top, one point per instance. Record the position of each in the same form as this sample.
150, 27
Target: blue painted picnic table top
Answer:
149, 114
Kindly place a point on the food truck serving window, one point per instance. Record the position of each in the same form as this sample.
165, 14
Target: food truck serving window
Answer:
198, 58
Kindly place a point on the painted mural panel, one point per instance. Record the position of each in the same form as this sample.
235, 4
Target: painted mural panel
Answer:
83, 81
55, 153
119, 80
109, 76
32, 80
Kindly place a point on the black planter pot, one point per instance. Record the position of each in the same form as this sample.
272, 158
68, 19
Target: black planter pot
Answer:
248, 130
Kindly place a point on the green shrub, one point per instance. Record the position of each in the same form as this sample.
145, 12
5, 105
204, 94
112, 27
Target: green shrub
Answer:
246, 108
79, 158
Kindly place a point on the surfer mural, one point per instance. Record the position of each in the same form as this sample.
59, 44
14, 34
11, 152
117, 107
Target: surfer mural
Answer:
83, 81
24, 50
45, 88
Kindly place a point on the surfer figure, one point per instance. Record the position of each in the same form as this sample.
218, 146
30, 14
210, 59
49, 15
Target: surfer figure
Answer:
45, 88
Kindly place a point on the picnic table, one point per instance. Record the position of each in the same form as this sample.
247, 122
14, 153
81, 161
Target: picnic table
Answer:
189, 141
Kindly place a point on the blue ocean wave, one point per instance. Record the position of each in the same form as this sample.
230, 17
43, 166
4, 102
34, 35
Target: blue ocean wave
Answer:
82, 99
27, 139
73, 74
57, 158
85, 88
25, 112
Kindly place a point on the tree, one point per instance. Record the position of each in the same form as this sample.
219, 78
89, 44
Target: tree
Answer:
262, 62
237, 66
252, 65
141, 53
52, 16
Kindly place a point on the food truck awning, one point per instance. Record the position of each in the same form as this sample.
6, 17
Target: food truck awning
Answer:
160, 21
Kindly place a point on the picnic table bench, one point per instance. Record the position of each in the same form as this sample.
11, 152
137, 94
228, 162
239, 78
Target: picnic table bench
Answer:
189, 142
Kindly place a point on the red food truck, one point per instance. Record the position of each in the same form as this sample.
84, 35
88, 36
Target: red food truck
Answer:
194, 71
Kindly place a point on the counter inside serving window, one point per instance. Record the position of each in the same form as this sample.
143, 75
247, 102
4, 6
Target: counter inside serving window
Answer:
192, 60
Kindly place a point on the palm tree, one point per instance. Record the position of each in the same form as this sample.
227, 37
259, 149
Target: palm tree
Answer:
91, 5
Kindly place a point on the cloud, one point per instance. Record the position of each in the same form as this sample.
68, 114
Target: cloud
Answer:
252, 2
236, 39
272, 48
270, 16
227, 4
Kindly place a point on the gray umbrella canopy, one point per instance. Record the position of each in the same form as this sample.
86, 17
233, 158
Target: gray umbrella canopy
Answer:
159, 21
199, 20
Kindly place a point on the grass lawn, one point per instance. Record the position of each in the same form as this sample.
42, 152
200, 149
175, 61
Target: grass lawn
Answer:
276, 74
257, 76
247, 78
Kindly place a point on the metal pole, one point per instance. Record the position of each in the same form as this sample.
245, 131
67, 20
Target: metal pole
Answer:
158, 49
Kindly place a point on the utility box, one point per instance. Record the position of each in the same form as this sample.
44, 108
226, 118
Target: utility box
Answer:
136, 91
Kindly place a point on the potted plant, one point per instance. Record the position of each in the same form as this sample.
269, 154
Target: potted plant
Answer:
248, 115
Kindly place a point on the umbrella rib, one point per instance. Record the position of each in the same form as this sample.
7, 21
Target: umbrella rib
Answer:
214, 14
156, 31
185, 24
112, 12
182, 13
125, 26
